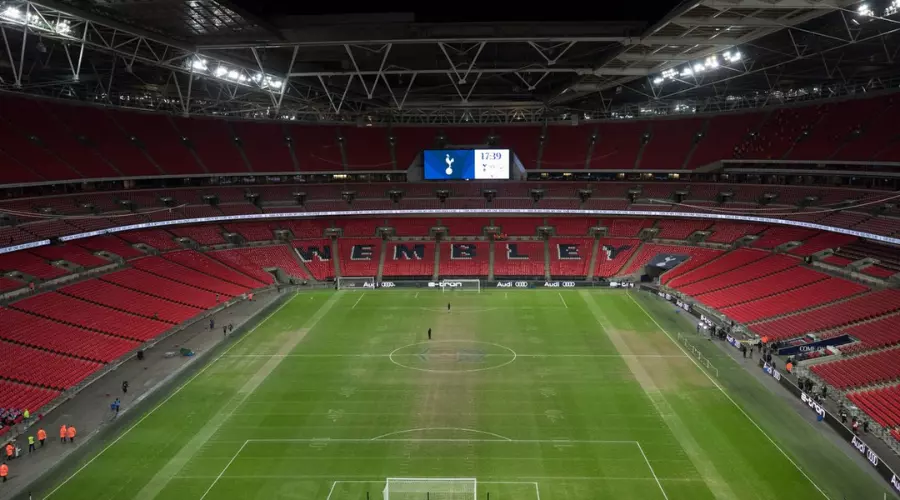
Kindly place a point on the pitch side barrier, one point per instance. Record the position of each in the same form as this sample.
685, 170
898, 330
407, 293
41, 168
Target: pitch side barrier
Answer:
458, 211
834, 421
485, 284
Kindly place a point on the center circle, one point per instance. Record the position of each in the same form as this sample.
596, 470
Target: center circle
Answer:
452, 356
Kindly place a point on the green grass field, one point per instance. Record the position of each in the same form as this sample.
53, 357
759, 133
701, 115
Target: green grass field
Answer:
539, 394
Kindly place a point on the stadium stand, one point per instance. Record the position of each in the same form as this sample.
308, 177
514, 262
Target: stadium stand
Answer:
316, 256
520, 258
861, 370
464, 259
44, 369
570, 257
413, 258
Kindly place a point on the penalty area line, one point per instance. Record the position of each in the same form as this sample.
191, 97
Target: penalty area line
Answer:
647, 460
357, 301
727, 396
562, 299
216, 480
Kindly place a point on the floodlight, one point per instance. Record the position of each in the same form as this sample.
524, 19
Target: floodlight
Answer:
12, 13
657, 80
233, 74
220, 71
864, 10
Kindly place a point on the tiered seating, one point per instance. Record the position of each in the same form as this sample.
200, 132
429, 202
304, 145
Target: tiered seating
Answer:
29, 264
680, 229
30, 118
612, 254
763, 267
617, 145
15, 395
156, 286
71, 253
316, 148
464, 259
797, 299
26, 329
625, 228
411, 262
112, 244
779, 132
882, 404
368, 149
835, 128
879, 271
35, 367
566, 147
161, 141
670, 142
201, 263
409, 143
779, 282
879, 333
779, 235
836, 260
99, 128
523, 141
860, 308
723, 134
412, 227
565, 262
697, 256
305, 229
130, 301
731, 260
156, 238
70, 310
457, 226
238, 209
863, 370
519, 226
252, 231
359, 257
265, 146
356, 227
528, 259
321, 268
571, 226
214, 144
182, 274
821, 242
210, 234
7, 284
25, 161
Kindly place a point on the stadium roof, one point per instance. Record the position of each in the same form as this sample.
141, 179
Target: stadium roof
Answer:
216, 57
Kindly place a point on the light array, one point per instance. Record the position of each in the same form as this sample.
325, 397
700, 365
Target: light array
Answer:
709, 64
15, 15
865, 10
235, 75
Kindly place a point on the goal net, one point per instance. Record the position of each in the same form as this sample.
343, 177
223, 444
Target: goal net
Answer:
406, 488
458, 285
355, 283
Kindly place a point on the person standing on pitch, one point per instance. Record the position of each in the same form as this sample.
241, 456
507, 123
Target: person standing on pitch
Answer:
429, 334
448, 307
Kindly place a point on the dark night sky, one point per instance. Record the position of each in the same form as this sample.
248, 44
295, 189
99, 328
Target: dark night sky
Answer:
596, 10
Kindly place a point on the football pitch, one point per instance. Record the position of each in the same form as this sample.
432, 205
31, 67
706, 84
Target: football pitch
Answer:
536, 394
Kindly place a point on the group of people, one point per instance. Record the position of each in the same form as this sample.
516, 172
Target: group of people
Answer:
9, 416
12, 450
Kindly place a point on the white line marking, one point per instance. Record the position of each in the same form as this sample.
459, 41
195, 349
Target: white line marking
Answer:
437, 440
537, 492
376, 438
722, 390
417, 295
110, 445
396, 355
525, 479
562, 299
641, 448
357, 301
216, 480
333, 484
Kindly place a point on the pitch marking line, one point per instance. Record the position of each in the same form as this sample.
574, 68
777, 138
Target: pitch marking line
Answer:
151, 412
499, 439
357, 300
722, 390
376, 438
562, 299
485, 355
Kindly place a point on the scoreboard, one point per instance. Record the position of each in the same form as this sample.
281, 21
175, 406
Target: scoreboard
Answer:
466, 164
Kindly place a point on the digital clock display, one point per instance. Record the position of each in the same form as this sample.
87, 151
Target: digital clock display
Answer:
466, 164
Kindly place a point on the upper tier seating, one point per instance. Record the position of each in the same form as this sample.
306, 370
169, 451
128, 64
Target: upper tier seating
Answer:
462, 259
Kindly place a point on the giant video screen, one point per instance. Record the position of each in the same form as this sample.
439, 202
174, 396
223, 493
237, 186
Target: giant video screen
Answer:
466, 164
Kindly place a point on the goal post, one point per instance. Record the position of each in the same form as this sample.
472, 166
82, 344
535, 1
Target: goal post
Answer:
355, 283
457, 285
418, 488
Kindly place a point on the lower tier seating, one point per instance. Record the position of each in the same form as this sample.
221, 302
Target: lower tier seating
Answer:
519, 258
570, 257
359, 257
42, 368
612, 254
131, 301
409, 259
464, 259
203, 264
156, 286
797, 299
316, 256
23, 396
862, 370
882, 404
